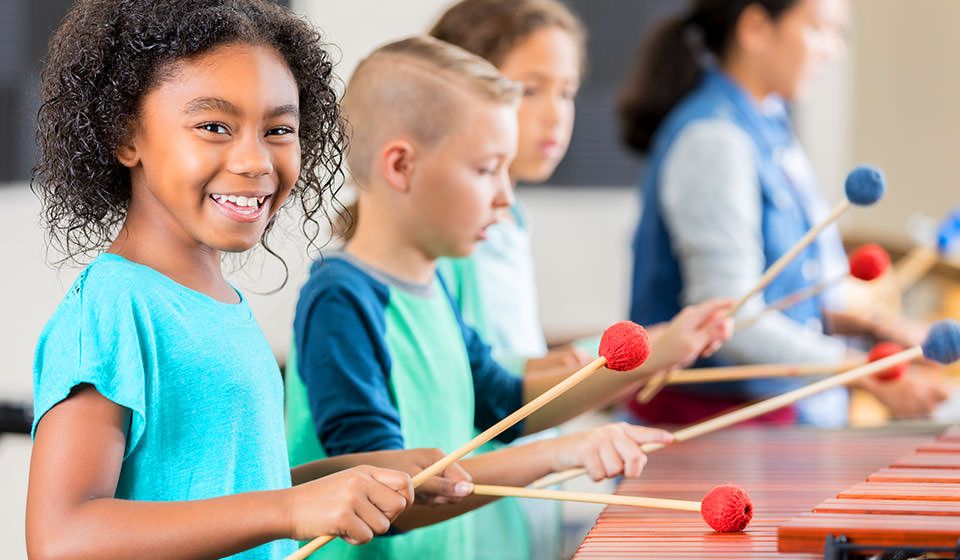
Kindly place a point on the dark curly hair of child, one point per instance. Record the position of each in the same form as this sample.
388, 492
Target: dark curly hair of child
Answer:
108, 53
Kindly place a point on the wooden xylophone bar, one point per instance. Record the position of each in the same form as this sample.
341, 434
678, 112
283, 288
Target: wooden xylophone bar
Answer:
915, 502
786, 471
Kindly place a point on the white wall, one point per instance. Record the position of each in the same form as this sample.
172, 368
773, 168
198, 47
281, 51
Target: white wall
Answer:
350, 27
906, 117
31, 293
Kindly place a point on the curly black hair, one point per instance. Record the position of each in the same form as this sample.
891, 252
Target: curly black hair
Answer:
108, 53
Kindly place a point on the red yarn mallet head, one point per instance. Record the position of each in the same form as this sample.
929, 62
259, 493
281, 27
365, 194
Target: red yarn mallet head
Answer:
727, 509
625, 345
869, 262
883, 350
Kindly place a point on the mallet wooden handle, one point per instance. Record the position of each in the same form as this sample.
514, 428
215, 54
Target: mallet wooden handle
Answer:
653, 387
914, 265
563, 476
785, 259
635, 501
756, 409
788, 301
790, 397
735, 373
503, 425
556, 478
473, 444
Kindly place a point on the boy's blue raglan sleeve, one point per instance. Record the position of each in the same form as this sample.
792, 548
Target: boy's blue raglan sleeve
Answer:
345, 366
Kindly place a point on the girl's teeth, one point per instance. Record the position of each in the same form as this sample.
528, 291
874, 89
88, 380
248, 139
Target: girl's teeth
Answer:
241, 201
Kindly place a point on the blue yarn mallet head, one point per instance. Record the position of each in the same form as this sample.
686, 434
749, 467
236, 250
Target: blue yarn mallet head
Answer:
865, 185
943, 342
949, 233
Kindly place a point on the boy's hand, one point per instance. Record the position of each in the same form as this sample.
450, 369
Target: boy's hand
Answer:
355, 504
448, 488
696, 332
606, 451
566, 356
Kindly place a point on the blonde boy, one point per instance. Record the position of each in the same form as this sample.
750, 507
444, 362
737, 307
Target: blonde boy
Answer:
384, 359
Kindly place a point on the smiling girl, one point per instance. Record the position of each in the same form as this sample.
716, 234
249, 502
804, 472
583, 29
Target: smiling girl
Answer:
172, 133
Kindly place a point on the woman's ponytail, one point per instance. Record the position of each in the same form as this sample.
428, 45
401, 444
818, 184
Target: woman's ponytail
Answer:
670, 64
669, 69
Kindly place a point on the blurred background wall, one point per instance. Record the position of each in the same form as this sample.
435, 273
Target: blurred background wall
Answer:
893, 102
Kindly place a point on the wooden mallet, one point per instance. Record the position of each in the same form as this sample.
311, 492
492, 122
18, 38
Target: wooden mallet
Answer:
941, 345
864, 186
726, 509
867, 263
766, 371
624, 346
755, 371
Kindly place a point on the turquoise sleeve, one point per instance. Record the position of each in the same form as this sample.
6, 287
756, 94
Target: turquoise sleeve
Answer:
95, 337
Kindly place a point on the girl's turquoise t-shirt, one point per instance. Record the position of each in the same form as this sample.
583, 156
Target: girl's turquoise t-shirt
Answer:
199, 379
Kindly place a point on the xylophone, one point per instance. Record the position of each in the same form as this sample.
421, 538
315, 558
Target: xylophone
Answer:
786, 470
915, 502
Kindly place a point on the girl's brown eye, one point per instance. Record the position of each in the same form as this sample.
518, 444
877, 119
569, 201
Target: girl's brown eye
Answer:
215, 128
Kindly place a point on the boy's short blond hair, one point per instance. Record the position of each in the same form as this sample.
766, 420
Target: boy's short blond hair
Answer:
416, 87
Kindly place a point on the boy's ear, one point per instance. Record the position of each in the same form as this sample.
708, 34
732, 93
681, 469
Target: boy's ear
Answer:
396, 164
126, 151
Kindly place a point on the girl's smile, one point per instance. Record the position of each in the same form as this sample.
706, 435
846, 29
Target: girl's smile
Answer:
242, 207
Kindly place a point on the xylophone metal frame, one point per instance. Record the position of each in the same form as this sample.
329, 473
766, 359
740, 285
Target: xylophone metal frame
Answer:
837, 548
